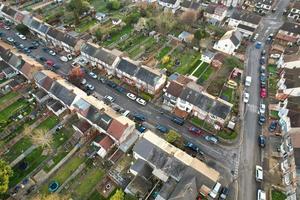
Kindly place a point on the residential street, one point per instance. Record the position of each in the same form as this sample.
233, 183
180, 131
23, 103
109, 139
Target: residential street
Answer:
250, 152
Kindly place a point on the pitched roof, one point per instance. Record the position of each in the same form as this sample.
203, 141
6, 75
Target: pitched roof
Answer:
236, 38
246, 16
220, 109
294, 118
70, 40
100, 53
147, 76
116, 129
247, 28
62, 93
291, 27
9, 11
106, 143
139, 186
56, 34
185, 189
174, 89
142, 168
127, 67
82, 125
35, 24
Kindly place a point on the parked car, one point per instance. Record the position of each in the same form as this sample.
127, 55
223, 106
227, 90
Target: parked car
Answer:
141, 128
102, 80
211, 139
261, 195
10, 39
20, 46
162, 128
93, 75
275, 55
69, 56
23, 37
263, 83
26, 50
32, 47
111, 84
141, 101
258, 45
193, 147
262, 108
177, 120
261, 119
89, 86
59, 127
52, 53
195, 130
139, 117
255, 37
35, 43
120, 89
263, 92
50, 63
224, 193
83, 81
43, 59
263, 77
64, 58
262, 141
273, 126
258, 173
263, 52
131, 96
246, 97
109, 98
262, 60
262, 69
6, 27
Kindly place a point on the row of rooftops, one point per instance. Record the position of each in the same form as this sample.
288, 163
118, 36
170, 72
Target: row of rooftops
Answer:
133, 68
174, 163
200, 99
88, 107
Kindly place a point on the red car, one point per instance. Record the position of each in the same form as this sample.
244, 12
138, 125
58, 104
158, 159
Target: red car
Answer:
50, 63
195, 130
263, 93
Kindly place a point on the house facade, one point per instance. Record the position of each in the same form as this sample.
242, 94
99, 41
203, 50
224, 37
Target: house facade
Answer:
288, 34
215, 13
170, 4
100, 57
229, 42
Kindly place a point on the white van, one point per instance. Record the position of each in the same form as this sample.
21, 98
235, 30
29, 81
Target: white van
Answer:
259, 173
214, 192
248, 81
261, 195
126, 113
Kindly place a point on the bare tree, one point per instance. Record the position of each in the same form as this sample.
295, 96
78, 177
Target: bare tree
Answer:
41, 137
188, 17
27, 130
165, 22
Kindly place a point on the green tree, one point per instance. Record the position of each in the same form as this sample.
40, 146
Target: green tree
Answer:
113, 5
119, 195
172, 136
98, 34
232, 62
5, 173
21, 28
78, 7
200, 34
132, 18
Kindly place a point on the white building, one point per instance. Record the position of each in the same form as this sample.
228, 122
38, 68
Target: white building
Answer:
229, 42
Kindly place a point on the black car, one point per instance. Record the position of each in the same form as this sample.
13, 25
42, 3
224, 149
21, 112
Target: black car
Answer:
111, 84
224, 193
177, 120
262, 141
120, 89
273, 126
262, 61
261, 119
32, 47
43, 59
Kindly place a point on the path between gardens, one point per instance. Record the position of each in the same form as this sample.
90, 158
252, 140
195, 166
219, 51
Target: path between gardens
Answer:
11, 101
23, 155
197, 68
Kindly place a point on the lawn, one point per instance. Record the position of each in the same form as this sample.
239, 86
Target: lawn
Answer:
227, 135
85, 25
205, 75
17, 149
272, 69
201, 69
277, 195
202, 124
7, 97
66, 170
125, 30
273, 80
99, 5
48, 123
87, 183
12, 109
163, 52
62, 136
34, 159
228, 94
187, 61
130, 43
140, 46
57, 157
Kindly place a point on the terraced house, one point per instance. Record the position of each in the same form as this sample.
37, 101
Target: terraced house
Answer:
138, 75
105, 121
100, 57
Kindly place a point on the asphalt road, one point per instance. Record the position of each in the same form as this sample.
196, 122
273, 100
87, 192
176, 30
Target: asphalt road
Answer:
250, 153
